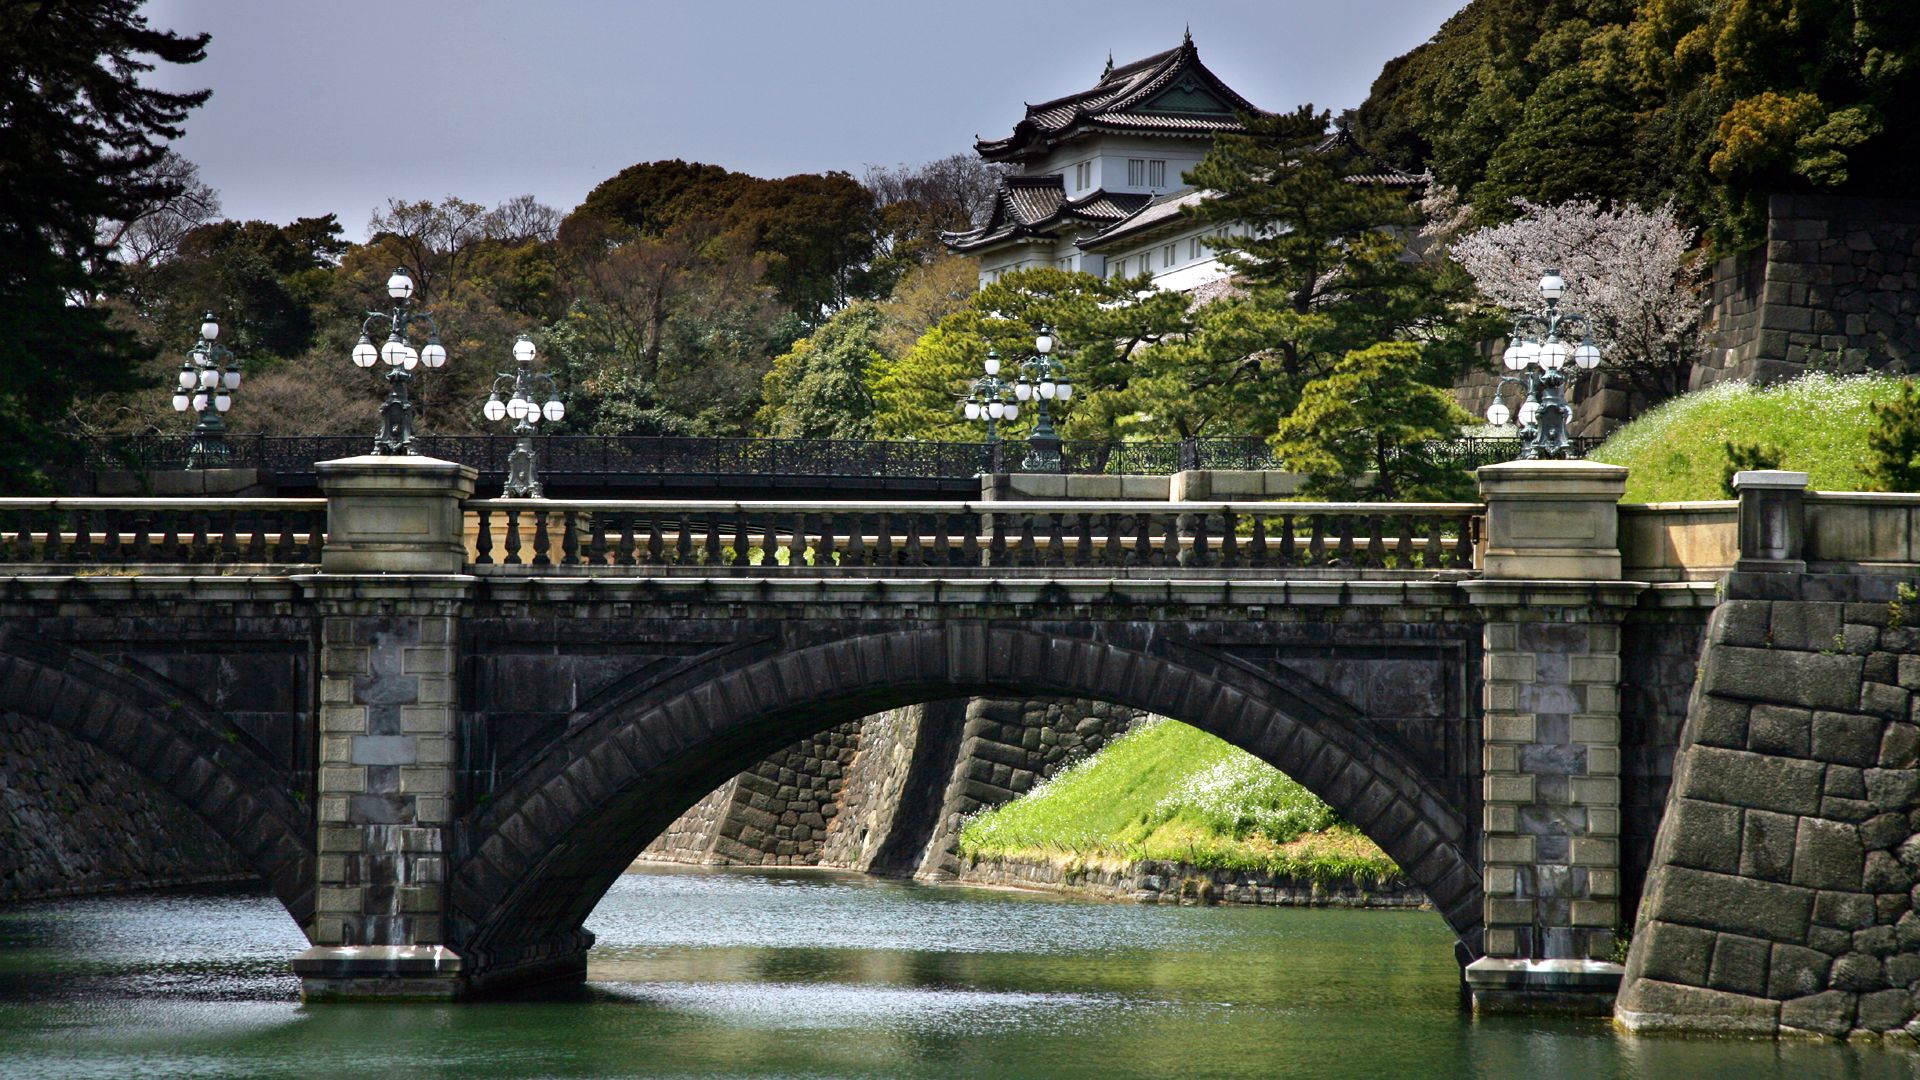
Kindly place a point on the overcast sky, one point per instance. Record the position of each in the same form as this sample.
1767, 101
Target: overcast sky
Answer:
335, 105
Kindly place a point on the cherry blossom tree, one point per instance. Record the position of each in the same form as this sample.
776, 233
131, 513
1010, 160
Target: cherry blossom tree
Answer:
1631, 269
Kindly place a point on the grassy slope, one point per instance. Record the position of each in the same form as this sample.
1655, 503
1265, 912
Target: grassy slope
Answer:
1170, 792
1820, 423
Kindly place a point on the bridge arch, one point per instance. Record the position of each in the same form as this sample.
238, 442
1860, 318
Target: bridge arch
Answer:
535, 859
172, 739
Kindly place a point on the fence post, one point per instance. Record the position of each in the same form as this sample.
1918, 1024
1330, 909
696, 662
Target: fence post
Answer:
1773, 521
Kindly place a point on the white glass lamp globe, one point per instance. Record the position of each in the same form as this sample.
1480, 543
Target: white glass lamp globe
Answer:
209, 327
533, 413
434, 355
223, 401
1515, 357
554, 410
199, 403
1044, 343
411, 360
364, 354
187, 378
1552, 285
971, 409
180, 402
1046, 389
495, 409
1013, 412
523, 349
1555, 354
394, 352
1529, 352
996, 409
1498, 414
1529, 412
400, 286
992, 363
1587, 356
1065, 390
231, 379
1023, 389
517, 407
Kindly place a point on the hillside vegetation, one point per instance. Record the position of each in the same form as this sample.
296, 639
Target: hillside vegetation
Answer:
1169, 792
1817, 423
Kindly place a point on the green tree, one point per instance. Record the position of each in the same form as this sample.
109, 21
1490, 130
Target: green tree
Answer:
817, 389
80, 135
1894, 441
1366, 416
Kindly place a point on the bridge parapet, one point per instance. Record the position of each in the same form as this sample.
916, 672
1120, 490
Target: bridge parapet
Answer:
782, 538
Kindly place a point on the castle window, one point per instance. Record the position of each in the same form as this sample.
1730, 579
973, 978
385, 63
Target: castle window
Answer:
1169, 254
1082, 176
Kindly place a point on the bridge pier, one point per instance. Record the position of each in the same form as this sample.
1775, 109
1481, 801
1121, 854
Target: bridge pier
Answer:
388, 720
1550, 736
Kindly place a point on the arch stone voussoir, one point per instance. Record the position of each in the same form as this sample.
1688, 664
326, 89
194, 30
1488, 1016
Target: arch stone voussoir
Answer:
551, 840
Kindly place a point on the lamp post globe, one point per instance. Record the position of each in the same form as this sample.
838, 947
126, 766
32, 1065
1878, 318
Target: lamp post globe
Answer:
1544, 366
990, 398
205, 385
397, 352
523, 388
1041, 378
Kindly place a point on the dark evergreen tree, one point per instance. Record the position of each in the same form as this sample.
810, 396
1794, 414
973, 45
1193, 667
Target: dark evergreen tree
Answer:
79, 135
1894, 441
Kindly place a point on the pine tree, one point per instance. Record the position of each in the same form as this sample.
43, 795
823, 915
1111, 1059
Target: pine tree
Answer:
1894, 441
1368, 416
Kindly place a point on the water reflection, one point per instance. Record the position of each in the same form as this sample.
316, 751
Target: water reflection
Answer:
702, 973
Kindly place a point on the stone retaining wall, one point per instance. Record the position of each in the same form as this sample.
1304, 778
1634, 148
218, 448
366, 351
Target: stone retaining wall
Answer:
1781, 894
774, 814
1152, 882
77, 821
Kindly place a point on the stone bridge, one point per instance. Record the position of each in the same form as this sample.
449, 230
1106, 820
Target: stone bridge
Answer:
440, 727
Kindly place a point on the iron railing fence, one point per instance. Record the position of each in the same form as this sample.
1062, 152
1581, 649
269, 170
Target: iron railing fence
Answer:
572, 457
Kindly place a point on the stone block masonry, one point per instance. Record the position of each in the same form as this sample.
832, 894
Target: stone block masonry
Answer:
76, 821
1781, 894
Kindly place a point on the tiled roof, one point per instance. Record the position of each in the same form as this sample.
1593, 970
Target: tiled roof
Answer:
1169, 92
1033, 205
1163, 210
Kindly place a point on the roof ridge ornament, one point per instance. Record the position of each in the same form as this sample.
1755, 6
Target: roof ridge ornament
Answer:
1187, 38
1108, 70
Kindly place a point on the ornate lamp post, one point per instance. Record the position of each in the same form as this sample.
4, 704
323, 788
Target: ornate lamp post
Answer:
208, 378
1043, 379
398, 353
1544, 372
990, 398
524, 408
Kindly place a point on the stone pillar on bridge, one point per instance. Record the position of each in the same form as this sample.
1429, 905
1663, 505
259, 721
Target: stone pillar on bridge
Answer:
1550, 735
389, 595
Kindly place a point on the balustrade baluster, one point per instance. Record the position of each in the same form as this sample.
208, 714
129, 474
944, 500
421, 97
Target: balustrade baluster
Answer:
13, 530
1436, 553
257, 541
82, 536
112, 548
1317, 543
1376, 546
1229, 540
625, 555
316, 534
1143, 539
1026, 556
915, 555
1116, 553
823, 555
742, 538
715, 555
513, 538
597, 554
855, 553
1056, 541
285, 539
944, 553
883, 541
683, 545
1199, 555
142, 541
1258, 546
1083, 540
770, 544
1344, 525
229, 537
483, 537
997, 543
542, 540
570, 539
656, 544
202, 550
970, 542
1463, 552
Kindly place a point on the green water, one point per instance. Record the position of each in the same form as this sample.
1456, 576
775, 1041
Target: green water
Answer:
730, 973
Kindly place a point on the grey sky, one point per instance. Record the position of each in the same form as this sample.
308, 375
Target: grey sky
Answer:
334, 105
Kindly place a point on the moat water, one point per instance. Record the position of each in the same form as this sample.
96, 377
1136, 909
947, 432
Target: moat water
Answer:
751, 974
